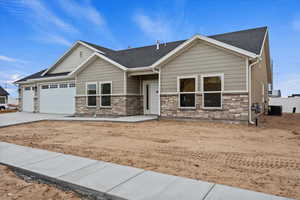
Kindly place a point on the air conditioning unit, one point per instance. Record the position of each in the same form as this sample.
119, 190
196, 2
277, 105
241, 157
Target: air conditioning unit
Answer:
275, 93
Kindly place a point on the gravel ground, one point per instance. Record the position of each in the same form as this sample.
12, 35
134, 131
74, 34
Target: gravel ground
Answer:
264, 159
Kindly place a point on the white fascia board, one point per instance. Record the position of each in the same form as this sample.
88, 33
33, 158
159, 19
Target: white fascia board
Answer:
140, 69
44, 79
70, 49
209, 40
96, 54
263, 43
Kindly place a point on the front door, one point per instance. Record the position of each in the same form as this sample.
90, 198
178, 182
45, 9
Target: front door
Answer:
151, 97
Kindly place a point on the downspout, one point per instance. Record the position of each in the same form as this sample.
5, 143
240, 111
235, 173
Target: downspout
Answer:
250, 88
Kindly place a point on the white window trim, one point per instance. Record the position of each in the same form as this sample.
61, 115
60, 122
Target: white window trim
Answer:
203, 92
86, 93
100, 92
178, 90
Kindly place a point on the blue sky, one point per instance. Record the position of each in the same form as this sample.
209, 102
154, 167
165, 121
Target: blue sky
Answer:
34, 33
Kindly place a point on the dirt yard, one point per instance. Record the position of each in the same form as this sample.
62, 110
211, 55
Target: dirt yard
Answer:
265, 159
12, 187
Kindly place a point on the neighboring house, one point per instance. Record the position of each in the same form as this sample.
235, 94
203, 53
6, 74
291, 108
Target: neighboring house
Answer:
288, 104
3, 98
216, 78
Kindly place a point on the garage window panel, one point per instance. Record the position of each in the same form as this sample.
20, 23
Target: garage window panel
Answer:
105, 94
27, 88
52, 86
91, 89
44, 87
63, 85
72, 85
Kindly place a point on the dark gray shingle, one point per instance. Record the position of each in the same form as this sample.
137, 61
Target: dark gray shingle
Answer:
250, 40
3, 92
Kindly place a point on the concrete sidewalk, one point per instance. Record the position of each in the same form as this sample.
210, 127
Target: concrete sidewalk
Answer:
108, 181
17, 118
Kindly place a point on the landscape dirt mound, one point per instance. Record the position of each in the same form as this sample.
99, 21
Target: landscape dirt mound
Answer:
264, 158
12, 187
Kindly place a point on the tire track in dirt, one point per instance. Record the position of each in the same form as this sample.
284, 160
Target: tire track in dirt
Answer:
235, 159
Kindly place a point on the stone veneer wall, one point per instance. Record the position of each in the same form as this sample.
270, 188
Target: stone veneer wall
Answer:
120, 106
20, 103
235, 108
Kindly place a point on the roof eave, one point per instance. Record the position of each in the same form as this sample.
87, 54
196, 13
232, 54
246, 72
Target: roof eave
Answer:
209, 40
70, 49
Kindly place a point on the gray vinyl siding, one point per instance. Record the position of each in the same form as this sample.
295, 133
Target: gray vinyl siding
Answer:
200, 59
97, 71
72, 60
133, 85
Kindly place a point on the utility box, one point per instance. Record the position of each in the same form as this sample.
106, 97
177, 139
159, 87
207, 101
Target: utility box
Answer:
275, 110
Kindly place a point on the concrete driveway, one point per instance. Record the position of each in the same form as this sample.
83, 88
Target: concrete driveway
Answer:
9, 119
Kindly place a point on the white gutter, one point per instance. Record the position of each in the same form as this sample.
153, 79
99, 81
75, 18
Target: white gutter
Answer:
250, 88
43, 79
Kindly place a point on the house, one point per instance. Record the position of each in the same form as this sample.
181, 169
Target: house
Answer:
215, 77
3, 98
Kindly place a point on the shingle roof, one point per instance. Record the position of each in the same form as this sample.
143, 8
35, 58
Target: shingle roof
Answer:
250, 40
3, 92
39, 75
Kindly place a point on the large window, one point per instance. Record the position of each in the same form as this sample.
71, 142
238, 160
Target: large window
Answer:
91, 89
187, 92
105, 94
212, 91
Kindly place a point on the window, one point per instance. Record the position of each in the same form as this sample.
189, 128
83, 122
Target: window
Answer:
187, 92
91, 90
45, 87
105, 98
52, 86
212, 91
71, 85
80, 54
63, 85
2, 100
27, 88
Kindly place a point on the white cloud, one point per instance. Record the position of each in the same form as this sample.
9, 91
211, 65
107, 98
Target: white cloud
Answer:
84, 10
41, 19
296, 24
290, 84
155, 28
87, 13
7, 78
43, 15
53, 38
9, 59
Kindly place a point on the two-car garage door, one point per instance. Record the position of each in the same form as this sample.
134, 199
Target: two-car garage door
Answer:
57, 98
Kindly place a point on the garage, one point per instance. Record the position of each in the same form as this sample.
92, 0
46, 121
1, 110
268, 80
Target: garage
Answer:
57, 98
28, 97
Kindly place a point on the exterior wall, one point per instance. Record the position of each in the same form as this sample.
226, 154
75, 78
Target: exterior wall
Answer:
72, 60
202, 58
235, 108
133, 85
121, 105
35, 98
287, 103
100, 70
20, 99
259, 77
